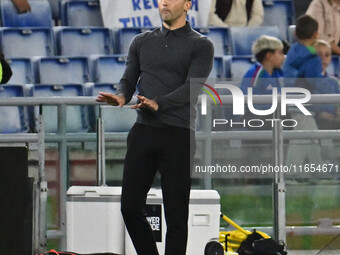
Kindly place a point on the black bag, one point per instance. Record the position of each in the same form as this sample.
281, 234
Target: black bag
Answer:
246, 247
255, 244
268, 247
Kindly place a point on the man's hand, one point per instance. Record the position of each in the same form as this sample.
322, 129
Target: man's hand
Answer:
22, 6
111, 99
146, 103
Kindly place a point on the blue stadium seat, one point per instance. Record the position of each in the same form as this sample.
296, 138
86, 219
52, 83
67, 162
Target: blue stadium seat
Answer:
279, 13
218, 70
55, 8
13, 118
22, 71
76, 115
81, 13
84, 41
39, 16
60, 70
291, 34
220, 38
334, 66
124, 38
116, 119
237, 66
242, 38
27, 42
108, 69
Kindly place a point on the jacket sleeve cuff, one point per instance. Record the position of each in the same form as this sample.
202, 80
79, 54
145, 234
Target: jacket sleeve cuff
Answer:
120, 94
160, 103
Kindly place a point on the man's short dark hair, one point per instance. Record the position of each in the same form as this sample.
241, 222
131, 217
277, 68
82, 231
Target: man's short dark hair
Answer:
306, 26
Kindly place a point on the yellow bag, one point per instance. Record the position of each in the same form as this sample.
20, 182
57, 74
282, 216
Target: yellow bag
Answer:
231, 240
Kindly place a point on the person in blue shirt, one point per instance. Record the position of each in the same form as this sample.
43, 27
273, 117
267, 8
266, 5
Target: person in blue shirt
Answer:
262, 77
266, 73
303, 67
328, 115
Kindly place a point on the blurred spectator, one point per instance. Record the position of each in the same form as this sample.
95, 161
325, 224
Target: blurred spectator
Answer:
286, 46
301, 7
328, 116
323, 49
327, 13
303, 68
226, 13
265, 73
303, 65
5, 70
22, 6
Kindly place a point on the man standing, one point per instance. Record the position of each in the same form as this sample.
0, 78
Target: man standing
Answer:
162, 62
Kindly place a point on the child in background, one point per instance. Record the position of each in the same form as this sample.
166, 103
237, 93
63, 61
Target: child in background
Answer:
262, 77
328, 116
266, 73
303, 68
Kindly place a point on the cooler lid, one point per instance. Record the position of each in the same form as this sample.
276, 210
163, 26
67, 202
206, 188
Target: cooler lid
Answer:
94, 191
204, 197
206, 194
196, 197
154, 195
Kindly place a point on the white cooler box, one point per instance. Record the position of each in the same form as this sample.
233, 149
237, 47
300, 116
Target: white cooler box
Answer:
95, 224
94, 221
203, 223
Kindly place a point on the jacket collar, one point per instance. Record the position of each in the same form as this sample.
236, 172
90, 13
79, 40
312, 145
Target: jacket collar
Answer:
179, 31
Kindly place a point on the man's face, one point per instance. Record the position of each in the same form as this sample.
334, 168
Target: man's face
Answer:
172, 10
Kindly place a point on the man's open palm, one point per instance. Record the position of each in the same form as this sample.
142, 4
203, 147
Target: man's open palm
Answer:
111, 99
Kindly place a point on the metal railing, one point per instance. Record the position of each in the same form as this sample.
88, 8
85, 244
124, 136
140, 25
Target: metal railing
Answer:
63, 138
